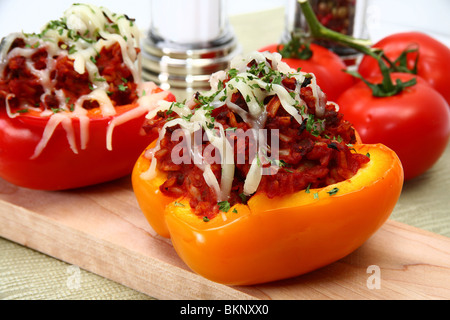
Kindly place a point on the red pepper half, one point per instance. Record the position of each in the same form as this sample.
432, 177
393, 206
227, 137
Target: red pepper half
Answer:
59, 166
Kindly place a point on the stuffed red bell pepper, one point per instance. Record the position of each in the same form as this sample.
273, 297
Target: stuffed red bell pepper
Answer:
72, 101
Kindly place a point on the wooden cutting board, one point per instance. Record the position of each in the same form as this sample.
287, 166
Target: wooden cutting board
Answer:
102, 230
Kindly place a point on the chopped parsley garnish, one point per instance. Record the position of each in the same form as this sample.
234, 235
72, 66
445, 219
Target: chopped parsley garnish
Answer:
72, 49
188, 117
313, 126
277, 79
170, 111
22, 111
243, 198
224, 206
308, 189
333, 146
233, 73
333, 191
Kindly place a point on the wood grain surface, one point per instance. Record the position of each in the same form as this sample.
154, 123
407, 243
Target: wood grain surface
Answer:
102, 230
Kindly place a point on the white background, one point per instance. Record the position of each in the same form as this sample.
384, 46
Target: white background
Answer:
30, 16
385, 16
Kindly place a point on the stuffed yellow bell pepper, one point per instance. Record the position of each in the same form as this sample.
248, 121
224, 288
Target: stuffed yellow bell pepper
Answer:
261, 178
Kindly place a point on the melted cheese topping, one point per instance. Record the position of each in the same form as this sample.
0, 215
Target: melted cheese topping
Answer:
254, 90
84, 31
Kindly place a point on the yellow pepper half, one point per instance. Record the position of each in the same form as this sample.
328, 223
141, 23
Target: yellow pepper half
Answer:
274, 239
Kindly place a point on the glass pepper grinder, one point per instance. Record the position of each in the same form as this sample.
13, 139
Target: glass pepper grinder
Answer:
188, 41
345, 16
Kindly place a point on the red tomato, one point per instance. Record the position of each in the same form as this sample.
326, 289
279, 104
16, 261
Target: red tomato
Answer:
326, 66
433, 64
58, 167
414, 123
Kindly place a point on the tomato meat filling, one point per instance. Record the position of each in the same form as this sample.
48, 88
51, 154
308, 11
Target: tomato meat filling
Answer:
27, 88
313, 153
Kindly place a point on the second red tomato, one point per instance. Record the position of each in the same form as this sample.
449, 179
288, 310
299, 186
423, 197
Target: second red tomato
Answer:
326, 66
414, 123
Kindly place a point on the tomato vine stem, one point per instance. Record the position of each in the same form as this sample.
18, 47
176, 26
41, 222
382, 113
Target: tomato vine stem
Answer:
318, 31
